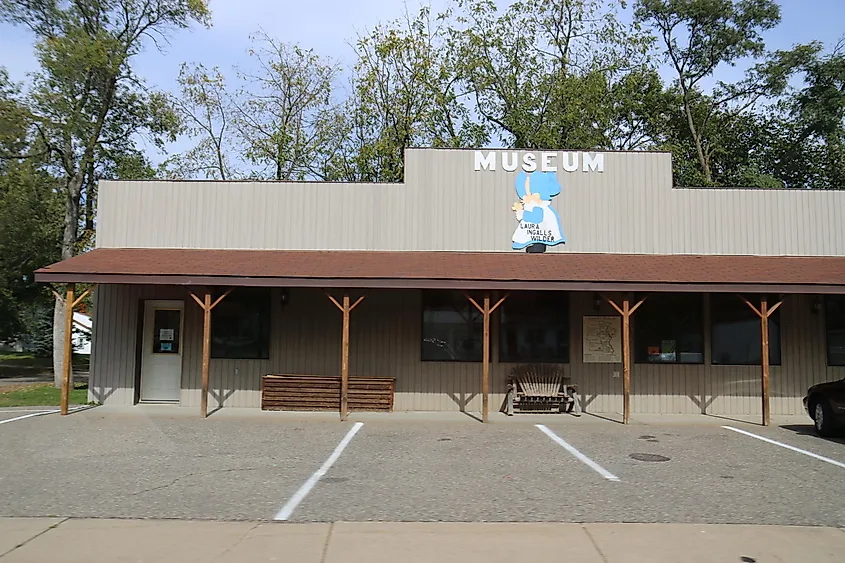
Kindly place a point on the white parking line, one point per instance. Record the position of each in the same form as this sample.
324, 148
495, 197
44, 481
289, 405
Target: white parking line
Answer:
571, 449
788, 447
39, 413
287, 510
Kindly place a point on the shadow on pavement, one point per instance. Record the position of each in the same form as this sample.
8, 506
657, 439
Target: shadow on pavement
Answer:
809, 430
723, 417
603, 417
472, 416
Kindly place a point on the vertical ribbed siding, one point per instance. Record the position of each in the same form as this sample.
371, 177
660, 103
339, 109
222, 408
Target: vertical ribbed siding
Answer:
445, 204
385, 340
114, 339
600, 385
113, 347
231, 383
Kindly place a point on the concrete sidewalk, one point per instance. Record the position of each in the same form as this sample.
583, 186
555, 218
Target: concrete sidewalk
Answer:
60, 540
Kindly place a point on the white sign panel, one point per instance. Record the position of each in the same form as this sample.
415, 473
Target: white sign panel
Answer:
602, 338
565, 161
166, 334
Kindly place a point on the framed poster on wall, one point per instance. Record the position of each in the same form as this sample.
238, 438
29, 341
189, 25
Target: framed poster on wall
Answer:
602, 337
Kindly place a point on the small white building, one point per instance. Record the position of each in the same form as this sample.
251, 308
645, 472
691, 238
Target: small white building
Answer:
81, 333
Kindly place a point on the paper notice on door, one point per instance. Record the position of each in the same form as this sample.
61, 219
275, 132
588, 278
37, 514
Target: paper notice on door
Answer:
166, 334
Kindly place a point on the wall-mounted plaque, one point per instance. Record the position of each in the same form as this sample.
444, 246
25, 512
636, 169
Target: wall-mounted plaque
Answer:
602, 337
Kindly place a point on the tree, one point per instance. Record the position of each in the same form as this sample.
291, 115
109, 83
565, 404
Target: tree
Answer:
30, 214
812, 143
30, 229
544, 73
284, 113
821, 103
407, 92
206, 112
636, 109
699, 36
85, 98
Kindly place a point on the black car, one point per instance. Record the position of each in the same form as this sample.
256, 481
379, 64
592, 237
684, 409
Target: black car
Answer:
825, 403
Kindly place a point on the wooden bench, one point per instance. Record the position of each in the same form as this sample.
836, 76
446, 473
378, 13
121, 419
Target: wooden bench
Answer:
288, 392
540, 388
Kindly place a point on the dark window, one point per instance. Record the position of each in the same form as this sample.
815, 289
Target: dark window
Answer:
167, 329
240, 325
669, 329
452, 328
835, 324
534, 327
737, 338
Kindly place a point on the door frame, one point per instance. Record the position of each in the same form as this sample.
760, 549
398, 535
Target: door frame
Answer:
139, 349
139, 344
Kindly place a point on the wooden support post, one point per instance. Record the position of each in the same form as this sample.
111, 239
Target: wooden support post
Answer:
485, 372
206, 352
764, 331
344, 362
626, 311
626, 361
764, 312
207, 307
68, 356
67, 369
486, 311
345, 308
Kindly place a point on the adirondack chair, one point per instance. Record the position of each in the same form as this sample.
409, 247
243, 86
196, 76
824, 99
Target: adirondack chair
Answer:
540, 388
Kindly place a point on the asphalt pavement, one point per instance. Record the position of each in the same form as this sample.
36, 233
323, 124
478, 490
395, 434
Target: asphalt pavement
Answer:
103, 463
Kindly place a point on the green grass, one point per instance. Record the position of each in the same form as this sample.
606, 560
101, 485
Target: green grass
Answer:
42, 395
22, 364
23, 357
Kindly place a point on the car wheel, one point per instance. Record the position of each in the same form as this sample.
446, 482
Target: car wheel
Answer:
823, 419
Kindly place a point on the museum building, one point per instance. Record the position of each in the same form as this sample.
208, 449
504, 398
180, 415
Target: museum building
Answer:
648, 297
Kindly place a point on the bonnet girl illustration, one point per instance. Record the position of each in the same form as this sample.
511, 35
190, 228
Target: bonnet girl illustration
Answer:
539, 223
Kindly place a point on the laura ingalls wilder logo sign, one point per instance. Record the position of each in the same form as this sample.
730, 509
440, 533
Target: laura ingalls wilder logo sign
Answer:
536, 185
539, 223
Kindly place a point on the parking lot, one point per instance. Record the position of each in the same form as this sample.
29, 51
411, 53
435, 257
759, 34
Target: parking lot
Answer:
7, 416
168, 464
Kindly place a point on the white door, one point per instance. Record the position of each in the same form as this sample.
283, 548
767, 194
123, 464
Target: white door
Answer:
161, 359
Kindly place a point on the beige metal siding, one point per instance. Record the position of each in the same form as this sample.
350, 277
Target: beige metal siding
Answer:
446, 205
385, 341
714, 389
112, 378
114, 335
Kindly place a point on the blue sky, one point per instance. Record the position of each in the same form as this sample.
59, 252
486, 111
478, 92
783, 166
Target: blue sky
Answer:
330, 26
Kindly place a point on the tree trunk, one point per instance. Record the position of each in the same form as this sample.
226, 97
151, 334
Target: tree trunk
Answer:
279, 162
699, 149
69, 240
58, 343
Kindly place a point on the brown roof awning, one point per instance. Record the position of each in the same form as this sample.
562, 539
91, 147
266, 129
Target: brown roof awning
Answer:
453, 270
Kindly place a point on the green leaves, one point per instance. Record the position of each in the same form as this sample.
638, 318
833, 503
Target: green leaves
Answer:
698, 36
202, 110
30, 213
279, 124
283, 113
407, 91
77, 123
546, 74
